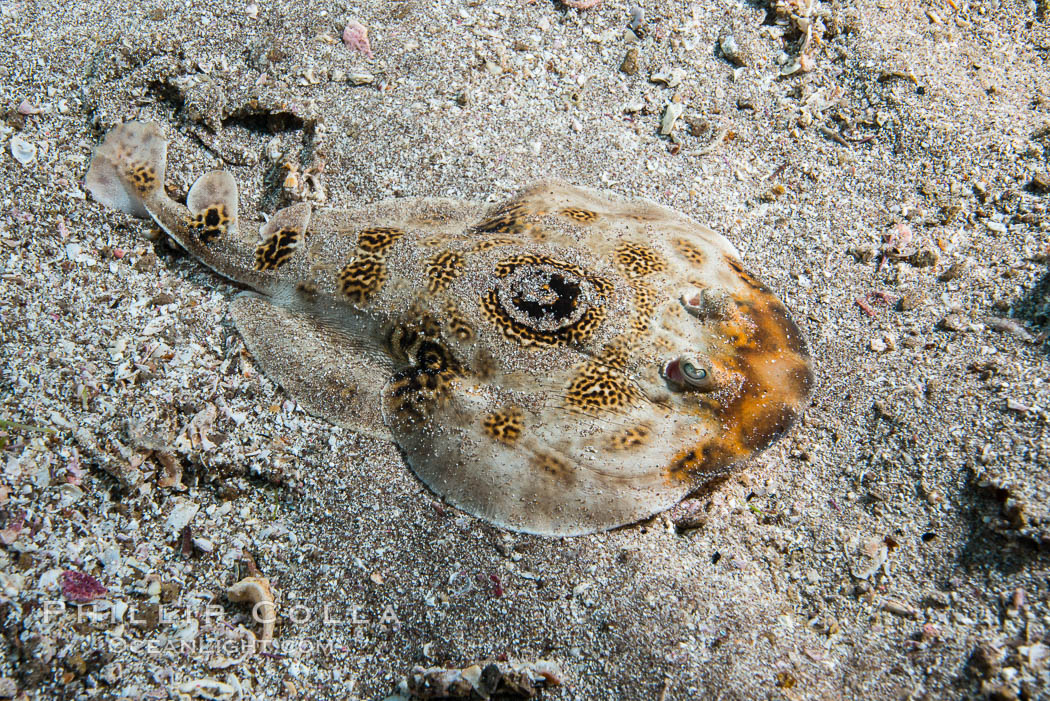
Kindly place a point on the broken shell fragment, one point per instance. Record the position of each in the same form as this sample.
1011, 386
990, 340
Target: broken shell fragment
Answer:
671, 114
23, 150
26, 108
731, 49
256, 591
355, 36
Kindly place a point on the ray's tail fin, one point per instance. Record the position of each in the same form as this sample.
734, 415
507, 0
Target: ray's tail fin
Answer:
127, 173
128, 168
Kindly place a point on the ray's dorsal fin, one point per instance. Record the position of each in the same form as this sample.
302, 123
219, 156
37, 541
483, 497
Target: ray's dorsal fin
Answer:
212, 202
127, 173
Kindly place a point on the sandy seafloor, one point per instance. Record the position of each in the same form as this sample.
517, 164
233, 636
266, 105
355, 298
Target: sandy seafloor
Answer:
894, 545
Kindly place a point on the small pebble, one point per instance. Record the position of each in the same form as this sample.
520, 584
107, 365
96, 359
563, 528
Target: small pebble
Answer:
925, 257
899, 608
637, 18
672, 78
1014, 405
955, 270
911, 299
582, 4
355, 36
1011, 327
731, 49
953, 322
1041, 182
112, 673
181, 515
630, 62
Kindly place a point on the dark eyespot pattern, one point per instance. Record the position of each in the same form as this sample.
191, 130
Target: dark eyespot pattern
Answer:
417, 391
210, 223
541, 302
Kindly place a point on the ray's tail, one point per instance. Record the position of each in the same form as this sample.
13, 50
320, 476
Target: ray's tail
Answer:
127, 173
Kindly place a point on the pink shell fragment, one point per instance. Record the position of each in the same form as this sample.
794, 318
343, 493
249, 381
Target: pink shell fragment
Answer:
582, 4
356, 37
10, 534
27, 108
81, 587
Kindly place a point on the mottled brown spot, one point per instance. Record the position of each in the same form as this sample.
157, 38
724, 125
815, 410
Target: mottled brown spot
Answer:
143, 177
505, 425
361, 278
508, 219
484, 364
584, 216
690, 251
596, 389
637, 260
457, 323
442, 269
662, 345
630, 438
307, 288
276, 250
554, 466
702, 461
618, 352
746, 276
644, 306
508, 265
493, 242
378, 239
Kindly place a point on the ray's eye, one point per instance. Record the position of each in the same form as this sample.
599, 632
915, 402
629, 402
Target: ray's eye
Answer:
693, 373
689, 374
